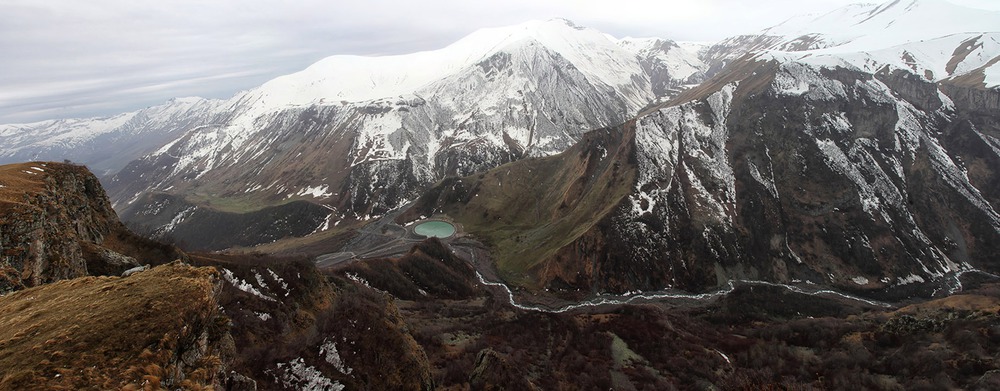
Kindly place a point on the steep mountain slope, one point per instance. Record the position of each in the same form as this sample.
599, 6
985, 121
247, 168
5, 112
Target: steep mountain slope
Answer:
56, 223
363, 149
858, 170
532, 210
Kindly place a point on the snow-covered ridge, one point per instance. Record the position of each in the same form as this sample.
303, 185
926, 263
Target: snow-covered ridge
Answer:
680, 60
344, 78
866, 27
525, 90
933, 60
106, 144
75, 130
932, 39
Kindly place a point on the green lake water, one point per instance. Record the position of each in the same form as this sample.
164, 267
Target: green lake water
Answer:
438, 229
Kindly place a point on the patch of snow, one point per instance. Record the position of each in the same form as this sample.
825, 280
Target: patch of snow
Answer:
796, 79
326, 223
358, 279
243, 285
263, 315
795, 256
260, 279
768, 182
299, 376
179, 218
912, 278
284, 285
329, 353
321, 191
992, 76
860, 280
724, 356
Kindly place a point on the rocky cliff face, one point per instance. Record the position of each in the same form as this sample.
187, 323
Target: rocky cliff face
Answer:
295, 328
860, 181
56, 223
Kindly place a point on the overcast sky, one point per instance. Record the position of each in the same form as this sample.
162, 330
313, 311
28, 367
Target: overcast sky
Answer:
72, 58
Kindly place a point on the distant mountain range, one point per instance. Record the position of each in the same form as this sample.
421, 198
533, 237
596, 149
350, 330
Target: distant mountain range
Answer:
856, 148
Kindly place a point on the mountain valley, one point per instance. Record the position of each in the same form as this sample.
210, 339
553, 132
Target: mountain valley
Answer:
812, 206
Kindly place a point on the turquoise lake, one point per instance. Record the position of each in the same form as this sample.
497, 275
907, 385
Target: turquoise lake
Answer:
438, 229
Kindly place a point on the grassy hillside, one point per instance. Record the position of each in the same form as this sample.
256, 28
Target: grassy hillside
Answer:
200, 227
527, 224
17, 182
109, 332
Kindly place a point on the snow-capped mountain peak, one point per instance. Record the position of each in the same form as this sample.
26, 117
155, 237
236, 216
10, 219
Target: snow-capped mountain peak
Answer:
348, 78
401, 122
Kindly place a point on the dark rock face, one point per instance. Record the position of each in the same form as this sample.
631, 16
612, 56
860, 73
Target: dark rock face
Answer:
855, 181
495, 372
42, 233
56, 223
429, 271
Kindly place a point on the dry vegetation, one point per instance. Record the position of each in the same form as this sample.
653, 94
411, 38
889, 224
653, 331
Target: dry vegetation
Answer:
17, 184
109, 332
428, 272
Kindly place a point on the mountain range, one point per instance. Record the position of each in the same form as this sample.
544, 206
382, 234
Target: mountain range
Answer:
855, 148
812, 206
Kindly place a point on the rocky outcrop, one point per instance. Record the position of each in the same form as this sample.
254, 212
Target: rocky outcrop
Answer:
56, 223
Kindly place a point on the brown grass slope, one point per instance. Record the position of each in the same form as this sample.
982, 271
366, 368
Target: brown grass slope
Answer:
112, 332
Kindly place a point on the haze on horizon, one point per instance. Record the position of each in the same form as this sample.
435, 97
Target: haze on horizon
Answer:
67, 59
